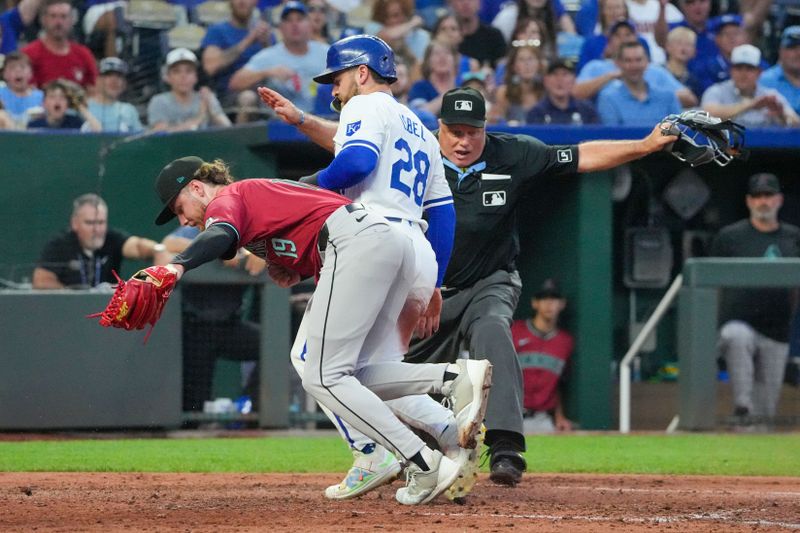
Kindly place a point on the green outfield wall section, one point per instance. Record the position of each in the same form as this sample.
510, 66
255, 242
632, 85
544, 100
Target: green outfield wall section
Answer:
43, 173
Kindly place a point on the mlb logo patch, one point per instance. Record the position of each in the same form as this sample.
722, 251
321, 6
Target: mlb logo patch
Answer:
564, 156
463, 105
352, 128
494, 198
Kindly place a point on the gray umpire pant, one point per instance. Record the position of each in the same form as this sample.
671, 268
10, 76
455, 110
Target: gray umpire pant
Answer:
755, 364
480, 317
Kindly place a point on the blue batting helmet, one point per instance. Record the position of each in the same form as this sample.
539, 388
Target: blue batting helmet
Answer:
359, 50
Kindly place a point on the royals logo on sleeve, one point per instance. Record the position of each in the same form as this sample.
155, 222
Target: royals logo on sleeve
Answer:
352, 128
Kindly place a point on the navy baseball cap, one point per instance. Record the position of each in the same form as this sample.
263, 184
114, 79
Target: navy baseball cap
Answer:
763, 183
790, 37
549, 289
618, 24
293, 5
561, 64
171, 181
113, 65
717, 23
464, 105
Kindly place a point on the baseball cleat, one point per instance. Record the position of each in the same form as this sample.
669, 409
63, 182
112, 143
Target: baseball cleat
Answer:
424, 485
468, 461
468, 394
370, 470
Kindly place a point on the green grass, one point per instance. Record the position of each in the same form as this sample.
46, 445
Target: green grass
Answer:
767, 455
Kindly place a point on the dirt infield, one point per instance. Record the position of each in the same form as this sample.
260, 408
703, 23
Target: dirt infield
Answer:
239, 502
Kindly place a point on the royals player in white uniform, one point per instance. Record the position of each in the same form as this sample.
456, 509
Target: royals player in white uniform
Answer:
388, 160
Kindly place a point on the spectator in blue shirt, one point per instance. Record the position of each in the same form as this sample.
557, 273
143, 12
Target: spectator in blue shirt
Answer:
14, 21
785, 76
728, 34
599, 72
105, 105
746, 101
290, 65
558, 106
594, 47
19, 97
439, 74
229, 45
696, 14
631, 100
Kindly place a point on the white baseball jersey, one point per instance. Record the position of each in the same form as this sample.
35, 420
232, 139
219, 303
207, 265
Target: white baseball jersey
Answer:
409, 176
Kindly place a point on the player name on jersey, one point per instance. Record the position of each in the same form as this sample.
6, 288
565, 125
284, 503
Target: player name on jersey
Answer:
413, 127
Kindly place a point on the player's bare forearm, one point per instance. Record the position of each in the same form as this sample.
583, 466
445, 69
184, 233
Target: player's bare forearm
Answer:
319, 130
594, 156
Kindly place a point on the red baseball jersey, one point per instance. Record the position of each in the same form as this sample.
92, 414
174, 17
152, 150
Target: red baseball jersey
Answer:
277, 220
543, 358
77, 65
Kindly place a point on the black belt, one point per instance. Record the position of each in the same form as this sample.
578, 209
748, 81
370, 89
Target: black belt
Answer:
450, 291
322, 239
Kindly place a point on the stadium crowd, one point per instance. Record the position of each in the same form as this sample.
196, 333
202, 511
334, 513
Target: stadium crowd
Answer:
147, 65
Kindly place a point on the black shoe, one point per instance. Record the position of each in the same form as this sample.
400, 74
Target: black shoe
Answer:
507, 466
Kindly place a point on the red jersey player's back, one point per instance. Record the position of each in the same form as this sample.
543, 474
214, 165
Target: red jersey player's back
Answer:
278, 220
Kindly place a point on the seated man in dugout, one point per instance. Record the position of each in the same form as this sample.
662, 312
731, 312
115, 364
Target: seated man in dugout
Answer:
84, 255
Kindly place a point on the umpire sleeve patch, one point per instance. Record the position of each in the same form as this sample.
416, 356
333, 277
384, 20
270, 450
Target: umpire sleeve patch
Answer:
564, 156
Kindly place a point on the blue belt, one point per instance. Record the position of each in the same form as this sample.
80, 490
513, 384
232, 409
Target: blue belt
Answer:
398, 219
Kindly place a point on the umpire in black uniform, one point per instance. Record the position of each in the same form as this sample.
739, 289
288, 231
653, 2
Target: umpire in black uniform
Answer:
488, 174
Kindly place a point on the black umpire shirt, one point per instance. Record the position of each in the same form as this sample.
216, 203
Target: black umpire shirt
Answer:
486, 196
64, 257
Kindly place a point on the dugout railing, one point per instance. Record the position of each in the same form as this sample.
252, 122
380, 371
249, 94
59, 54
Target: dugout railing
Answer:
697, 290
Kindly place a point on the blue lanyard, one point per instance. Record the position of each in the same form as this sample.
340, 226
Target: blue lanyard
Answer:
463, 173
84, 272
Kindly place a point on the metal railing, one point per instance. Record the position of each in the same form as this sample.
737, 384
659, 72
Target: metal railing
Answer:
625, 364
